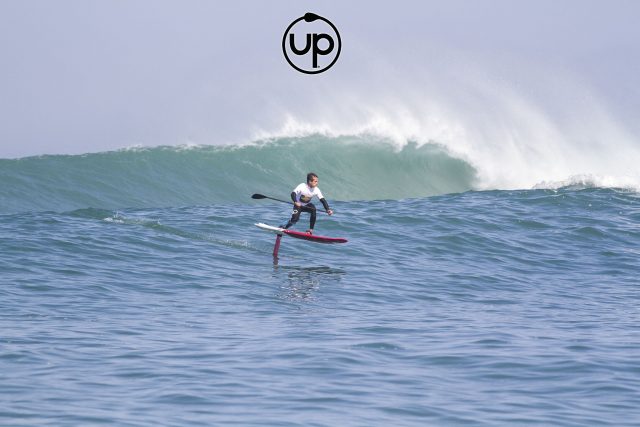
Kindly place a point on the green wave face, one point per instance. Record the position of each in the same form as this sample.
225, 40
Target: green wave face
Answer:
349, 168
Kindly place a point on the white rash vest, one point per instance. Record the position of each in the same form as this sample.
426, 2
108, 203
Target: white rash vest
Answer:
304, 193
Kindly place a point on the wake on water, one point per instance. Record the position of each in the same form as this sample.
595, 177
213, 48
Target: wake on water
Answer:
360, 167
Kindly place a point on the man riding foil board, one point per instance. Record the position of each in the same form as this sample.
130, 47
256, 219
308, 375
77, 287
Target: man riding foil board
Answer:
301, 196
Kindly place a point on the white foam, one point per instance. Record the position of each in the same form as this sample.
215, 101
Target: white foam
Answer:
547, 127
592, 181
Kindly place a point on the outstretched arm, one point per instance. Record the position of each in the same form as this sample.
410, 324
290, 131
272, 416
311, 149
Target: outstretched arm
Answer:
326, 206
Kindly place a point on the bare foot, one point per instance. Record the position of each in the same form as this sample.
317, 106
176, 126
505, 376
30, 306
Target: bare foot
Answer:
309, 231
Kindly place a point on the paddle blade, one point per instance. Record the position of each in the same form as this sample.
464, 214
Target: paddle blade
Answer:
258, 196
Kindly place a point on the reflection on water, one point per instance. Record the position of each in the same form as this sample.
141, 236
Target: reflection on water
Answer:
300, 283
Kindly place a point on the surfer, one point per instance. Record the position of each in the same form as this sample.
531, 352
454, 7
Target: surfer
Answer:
301, 196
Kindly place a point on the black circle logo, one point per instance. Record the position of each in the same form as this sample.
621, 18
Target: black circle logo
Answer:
311, 44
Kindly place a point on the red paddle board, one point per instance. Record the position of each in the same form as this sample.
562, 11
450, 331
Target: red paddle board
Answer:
301, 235
313, 237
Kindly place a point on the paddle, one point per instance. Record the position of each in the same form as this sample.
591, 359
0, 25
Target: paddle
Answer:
262, 196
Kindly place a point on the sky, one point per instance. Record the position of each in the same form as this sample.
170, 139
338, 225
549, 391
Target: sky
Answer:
81, 76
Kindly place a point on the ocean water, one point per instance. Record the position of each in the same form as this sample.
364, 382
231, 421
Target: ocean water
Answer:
135, 291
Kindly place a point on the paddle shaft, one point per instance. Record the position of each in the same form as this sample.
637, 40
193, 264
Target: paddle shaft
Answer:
262, 196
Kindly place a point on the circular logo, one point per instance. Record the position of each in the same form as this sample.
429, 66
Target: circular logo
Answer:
311, 44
